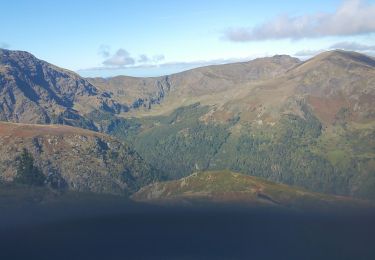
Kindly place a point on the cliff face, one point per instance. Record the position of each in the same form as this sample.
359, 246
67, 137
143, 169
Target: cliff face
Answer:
82, 160
34, 91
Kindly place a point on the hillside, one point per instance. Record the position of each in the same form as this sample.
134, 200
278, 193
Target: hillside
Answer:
233, 188
311, 126
74, 158
34, 91
335, 84
155, 96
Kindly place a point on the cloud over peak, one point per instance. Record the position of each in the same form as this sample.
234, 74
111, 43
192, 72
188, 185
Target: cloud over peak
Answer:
353, 46
348, 46
352, 17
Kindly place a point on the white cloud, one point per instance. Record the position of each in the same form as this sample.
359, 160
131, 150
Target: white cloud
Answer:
307, 53
143, 58
348, 46
123, 59
120, 59
352, 17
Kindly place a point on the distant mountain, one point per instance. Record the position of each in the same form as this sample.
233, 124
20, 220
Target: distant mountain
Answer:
74, 158
233, 188
34, 91
338, 85
184, 88
329, 82
312, 124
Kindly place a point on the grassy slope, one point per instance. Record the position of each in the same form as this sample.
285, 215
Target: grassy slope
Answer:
14, 130
312, 126
206, 85
230, 187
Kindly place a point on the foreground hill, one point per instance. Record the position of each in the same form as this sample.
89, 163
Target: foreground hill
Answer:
77, 159
229, 187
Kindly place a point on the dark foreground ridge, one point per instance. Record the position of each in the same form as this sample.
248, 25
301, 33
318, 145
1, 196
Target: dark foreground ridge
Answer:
106, 227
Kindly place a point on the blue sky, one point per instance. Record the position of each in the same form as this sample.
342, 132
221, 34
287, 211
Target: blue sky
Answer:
148, 38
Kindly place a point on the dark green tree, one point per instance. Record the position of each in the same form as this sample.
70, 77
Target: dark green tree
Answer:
27, 172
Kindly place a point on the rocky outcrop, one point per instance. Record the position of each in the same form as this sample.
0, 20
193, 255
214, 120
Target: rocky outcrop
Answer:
34, 91
136, 93
80, 159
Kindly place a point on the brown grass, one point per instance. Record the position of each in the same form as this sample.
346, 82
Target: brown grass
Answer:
31, 130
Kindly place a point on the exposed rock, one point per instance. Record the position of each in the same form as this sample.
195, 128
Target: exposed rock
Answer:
34, 91
80, 159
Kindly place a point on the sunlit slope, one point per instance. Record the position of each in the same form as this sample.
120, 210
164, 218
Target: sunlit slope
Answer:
73, 158
230, 187
313, 127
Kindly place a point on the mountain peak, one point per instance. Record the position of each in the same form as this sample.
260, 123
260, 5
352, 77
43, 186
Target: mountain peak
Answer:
35, 91
346, 56
325, 61
6, 54
282, 56
279, 59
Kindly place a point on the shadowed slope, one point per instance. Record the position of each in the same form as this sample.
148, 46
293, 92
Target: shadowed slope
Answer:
34, 91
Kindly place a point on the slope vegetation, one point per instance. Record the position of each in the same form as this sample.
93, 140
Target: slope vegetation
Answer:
75, 158
230, 187
311, 126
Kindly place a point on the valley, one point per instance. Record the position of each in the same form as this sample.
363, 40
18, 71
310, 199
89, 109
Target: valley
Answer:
187, 130
309, 124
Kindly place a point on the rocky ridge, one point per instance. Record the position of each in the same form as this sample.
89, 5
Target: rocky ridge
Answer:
81, 160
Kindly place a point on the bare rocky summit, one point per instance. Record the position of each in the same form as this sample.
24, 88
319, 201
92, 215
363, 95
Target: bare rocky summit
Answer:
34, 91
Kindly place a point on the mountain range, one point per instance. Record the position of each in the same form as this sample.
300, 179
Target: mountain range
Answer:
308, 123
